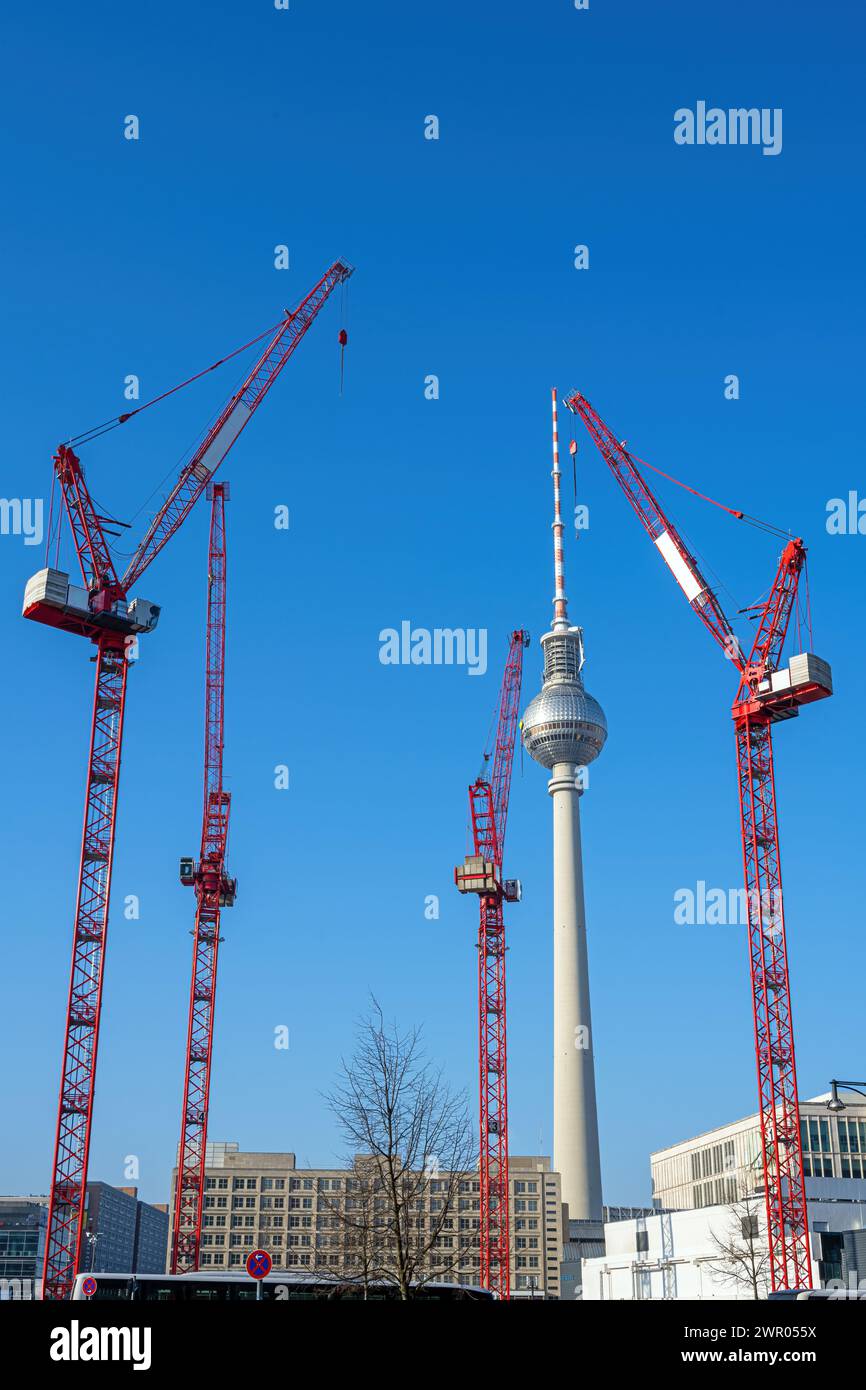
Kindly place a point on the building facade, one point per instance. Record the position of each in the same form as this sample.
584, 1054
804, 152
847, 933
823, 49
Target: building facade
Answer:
681, 1254
713, 1167
22, 1245
583, 1241
708, 1200
263, 1200
151, 1234
121, 1233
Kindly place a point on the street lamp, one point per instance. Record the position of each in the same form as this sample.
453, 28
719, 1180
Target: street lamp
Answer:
92, 1237
834, 1103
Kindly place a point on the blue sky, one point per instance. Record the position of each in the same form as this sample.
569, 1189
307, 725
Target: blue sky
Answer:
306, 128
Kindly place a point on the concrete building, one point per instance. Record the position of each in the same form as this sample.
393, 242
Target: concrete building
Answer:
713, 1167
23, 1223
121, 1233
564, 729
264, 1200
151, 1234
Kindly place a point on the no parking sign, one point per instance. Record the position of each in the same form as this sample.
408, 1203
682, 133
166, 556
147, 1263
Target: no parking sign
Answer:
259, 1263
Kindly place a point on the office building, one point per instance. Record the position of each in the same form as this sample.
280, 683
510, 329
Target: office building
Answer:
263, 1200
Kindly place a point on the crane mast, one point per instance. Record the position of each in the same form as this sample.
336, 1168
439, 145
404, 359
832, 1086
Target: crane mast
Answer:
68, 1195
214, 889
481, 873
767, 693
100, 609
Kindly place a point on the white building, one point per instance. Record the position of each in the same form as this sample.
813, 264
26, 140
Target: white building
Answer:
676, 1254
712, 1167
680, 1253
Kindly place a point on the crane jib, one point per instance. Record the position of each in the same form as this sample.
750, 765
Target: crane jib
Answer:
224, 439
688, 580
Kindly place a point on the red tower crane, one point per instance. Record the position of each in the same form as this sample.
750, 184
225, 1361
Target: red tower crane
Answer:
767, 693
481, 873
102, 611
214, 890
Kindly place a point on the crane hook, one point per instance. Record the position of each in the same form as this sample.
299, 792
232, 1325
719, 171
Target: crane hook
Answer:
343, 339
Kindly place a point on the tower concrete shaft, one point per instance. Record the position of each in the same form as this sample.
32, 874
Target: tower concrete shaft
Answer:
564, 729
575, 1116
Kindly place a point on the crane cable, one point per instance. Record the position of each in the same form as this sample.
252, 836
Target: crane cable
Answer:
767, 526
97, 430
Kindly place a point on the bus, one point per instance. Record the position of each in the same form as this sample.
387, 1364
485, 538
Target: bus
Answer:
276, 1287
831, 1291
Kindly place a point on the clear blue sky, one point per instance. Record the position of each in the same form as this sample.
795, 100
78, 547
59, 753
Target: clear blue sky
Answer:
305, 127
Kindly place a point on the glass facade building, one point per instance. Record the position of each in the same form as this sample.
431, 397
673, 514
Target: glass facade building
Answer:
22, 1245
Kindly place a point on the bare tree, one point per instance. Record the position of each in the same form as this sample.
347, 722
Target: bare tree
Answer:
742, 1252
359, 1241
411, 1156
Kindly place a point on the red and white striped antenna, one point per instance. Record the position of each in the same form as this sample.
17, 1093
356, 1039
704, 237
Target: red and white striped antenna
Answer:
560, 602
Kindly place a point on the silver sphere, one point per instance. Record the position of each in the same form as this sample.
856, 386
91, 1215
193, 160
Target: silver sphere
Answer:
563, 724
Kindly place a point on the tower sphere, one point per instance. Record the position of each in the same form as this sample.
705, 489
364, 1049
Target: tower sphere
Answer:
563, 724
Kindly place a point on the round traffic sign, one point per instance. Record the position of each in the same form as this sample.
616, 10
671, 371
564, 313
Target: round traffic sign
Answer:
259, 1263
88, 1288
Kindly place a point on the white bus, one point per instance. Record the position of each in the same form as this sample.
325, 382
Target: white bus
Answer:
236, 1287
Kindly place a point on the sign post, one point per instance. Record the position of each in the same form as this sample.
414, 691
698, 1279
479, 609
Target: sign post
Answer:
259, 1263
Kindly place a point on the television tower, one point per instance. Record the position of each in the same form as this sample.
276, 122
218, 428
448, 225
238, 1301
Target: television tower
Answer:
564, 729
